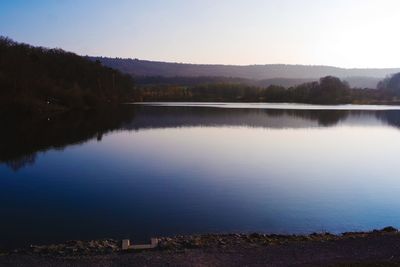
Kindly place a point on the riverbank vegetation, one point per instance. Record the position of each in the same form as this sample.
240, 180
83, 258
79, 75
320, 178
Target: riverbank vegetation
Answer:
40, 79
328, 90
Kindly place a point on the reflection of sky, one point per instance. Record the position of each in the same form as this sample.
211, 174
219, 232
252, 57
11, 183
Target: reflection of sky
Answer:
200, 179
341, 169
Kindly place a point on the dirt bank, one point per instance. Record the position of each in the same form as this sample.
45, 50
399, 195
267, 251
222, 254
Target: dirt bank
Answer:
376, 248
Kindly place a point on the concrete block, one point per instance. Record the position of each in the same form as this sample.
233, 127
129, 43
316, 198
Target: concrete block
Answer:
126, 243
154, 242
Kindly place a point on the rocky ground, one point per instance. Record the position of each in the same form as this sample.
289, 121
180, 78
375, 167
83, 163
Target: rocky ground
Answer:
376, 248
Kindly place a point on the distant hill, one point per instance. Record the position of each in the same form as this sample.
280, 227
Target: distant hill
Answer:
202, 80
285, 75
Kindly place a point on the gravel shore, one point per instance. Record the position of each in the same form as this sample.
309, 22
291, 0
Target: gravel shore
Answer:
376, 248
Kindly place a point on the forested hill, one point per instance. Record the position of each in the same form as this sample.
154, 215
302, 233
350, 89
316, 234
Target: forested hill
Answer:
41, 79
356, 77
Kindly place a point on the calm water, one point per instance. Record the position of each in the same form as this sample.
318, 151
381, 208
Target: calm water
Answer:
140, 171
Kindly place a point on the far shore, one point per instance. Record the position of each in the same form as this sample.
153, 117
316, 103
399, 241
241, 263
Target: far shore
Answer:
44, 110
374, 248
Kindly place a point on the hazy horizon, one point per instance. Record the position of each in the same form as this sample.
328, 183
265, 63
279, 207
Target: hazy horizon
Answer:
345, 34
239, 65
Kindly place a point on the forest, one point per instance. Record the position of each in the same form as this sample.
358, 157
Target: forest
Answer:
328, 90
41, 80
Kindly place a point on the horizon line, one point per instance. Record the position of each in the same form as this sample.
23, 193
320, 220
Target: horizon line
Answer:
243, 65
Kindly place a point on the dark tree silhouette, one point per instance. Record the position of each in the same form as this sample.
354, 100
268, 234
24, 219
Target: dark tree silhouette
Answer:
37, 78
41, 79
391, 84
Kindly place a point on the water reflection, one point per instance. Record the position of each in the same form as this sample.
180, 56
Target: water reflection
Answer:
175, 170
23, 138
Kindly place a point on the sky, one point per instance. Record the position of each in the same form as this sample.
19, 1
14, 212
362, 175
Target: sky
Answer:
342, 33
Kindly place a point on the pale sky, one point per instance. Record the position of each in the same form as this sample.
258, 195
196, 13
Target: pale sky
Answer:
343, 33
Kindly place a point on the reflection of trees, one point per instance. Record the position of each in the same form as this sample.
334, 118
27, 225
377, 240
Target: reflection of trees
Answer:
391, 117
21, 138
162, 117
323, 117
20, 162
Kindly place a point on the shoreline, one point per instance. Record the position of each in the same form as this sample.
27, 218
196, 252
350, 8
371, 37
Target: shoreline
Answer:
221, 249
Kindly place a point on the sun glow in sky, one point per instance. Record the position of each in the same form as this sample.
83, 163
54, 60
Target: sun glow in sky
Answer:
344, 33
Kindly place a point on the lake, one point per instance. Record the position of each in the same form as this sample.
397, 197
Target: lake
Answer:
158, 169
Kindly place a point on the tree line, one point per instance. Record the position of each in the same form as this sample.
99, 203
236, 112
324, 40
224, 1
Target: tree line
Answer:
328, 90
39, 79
42, 79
